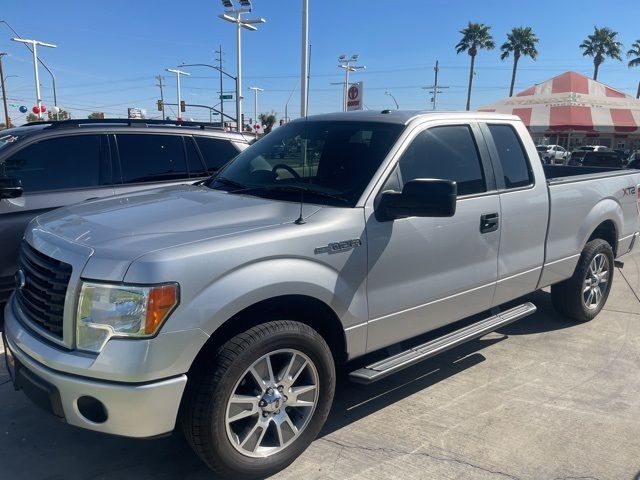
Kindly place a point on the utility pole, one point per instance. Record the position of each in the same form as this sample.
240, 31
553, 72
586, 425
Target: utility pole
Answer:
304, 66
219, 52
435, 88
160, 78
7, 120
34, 45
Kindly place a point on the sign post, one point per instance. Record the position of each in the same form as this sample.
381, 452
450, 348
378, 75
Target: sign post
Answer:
355, 97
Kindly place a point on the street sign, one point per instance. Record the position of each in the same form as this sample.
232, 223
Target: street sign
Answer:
226, 97
355, 97
135, 113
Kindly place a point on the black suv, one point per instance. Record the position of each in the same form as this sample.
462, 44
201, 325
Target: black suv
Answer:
45, 165
608, 159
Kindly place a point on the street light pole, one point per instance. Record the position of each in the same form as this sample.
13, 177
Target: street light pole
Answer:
347, 64
178, 73
44, 65
304, 67
234, 15
7, 120
394, 99
255, 104
34, 45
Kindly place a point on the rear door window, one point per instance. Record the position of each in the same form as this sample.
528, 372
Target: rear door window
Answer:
216, 152
58, 163
151, 158
196, 167
513, 159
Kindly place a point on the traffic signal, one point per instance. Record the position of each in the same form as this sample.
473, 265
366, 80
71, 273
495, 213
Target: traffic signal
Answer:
183, 106
160, 105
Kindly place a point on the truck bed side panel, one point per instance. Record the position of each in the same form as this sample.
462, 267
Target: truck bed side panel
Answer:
578, 207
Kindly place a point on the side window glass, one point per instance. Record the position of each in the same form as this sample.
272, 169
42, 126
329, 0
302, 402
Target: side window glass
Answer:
149, 158
216, 152
196, 167
512, 157
447, 153
57, 164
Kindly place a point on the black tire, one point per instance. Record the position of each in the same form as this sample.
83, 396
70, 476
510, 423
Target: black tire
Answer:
567, 296
203, 415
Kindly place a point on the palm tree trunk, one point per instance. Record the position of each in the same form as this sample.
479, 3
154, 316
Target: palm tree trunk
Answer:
473, 61
596, 66
638, 94
513, 74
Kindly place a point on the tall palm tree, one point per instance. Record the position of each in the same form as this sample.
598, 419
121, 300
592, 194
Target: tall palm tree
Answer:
600, 45
521, 41
475, 36
634, 55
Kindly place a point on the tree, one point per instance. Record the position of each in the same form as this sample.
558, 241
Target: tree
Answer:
96, 116
62, 115
268, 120
521, 41
600, 45
475, 36
32, 117
634, 55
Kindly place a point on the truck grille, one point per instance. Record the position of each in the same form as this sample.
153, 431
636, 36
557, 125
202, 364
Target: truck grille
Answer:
46, 281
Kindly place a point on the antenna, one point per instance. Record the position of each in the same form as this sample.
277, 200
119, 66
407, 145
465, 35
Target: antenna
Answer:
300, 220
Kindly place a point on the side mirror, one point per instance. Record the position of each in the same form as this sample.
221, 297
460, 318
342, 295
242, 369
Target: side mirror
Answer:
423, 197
10, 187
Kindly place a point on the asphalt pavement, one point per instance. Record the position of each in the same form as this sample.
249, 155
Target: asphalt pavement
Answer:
543, 398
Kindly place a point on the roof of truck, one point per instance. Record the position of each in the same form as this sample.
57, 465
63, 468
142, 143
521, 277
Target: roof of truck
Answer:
403, 117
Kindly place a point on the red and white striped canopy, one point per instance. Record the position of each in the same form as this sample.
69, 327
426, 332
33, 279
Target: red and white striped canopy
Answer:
572, 102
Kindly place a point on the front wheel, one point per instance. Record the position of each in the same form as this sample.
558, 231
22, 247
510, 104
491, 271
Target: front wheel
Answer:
582, 296
261, 400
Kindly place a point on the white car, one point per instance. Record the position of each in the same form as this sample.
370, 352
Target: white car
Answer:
553, 153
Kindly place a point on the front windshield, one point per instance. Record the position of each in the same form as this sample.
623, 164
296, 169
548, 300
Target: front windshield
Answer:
329, 163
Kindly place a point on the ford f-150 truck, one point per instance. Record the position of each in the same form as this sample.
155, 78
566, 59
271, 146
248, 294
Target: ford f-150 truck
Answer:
225, 307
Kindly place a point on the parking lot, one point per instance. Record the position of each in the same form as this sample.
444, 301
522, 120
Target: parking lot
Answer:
541, 399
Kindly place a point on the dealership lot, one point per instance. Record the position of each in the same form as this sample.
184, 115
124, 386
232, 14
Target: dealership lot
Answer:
541, 399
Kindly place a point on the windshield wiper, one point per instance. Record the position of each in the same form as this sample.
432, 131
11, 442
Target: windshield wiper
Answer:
292, 188
230, 183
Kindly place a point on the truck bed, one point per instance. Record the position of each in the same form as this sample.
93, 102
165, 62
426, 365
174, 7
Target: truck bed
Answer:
557, 174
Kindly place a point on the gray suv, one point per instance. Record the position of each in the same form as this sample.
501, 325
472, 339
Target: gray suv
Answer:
48, 165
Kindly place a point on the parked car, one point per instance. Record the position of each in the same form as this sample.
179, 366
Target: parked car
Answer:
226, 307
48, 165
553, 153
597, 159
593, 148
634, 161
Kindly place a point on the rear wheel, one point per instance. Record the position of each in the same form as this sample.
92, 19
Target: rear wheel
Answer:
582, 296
261, 400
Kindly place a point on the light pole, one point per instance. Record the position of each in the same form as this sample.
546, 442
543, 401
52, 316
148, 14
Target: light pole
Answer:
394, 99
178, 73
255, 104
304, 67
7, 120
44, 65
34, 45
234, 15
348, 65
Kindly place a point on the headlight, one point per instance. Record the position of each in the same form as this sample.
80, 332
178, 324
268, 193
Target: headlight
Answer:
125, 311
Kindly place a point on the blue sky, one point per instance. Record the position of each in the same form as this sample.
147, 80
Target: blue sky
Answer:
109, 52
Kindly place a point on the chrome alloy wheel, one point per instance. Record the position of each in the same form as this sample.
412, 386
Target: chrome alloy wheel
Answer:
595, 282
272, 403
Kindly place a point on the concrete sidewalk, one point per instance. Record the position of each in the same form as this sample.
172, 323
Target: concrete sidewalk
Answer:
542, 399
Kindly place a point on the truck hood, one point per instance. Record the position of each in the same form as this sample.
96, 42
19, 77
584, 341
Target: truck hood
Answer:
142, 222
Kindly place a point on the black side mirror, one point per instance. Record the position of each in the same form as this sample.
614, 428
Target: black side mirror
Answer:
10, 187
423, 197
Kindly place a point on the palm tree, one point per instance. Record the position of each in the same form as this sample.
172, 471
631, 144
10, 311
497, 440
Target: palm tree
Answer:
521, 41
634, 55
600, 45
474, 37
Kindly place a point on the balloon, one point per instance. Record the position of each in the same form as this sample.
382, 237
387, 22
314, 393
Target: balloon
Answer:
43, 109
55, 109
23, 109
36, 109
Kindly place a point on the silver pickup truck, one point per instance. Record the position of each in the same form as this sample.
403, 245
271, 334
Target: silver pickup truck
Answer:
225, 307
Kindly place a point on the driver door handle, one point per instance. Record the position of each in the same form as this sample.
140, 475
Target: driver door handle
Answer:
489, 222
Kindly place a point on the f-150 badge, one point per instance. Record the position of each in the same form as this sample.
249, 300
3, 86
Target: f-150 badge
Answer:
337, 247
